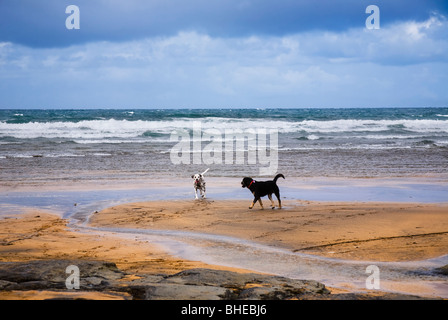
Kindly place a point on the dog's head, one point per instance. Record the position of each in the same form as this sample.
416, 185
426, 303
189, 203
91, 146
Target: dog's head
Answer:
245, 183
197, 178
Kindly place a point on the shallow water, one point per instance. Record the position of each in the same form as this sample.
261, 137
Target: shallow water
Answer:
428, 190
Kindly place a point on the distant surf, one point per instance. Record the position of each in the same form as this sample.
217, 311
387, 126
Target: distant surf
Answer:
111, 144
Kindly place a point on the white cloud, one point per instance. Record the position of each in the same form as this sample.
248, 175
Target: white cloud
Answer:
197, 70
417, 30
403, 43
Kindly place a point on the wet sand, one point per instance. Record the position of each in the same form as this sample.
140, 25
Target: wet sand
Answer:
369, 231
347, 230
38, 235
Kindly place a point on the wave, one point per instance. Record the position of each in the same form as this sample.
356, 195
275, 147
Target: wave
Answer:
108, 141
53, 155
146, 129
345, 147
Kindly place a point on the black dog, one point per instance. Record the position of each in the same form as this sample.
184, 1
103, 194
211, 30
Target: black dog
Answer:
263, 188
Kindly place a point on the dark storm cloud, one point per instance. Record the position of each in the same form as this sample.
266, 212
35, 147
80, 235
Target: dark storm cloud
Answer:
42, 23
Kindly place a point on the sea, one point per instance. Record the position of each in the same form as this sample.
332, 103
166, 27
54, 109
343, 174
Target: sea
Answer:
104, 145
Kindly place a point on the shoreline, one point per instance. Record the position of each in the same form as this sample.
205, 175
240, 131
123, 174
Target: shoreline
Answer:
61, 197
149, 181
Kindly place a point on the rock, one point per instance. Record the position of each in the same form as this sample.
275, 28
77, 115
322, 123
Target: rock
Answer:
51, 274
443, 270
247, 285
264, 293
167, 291
4, 284
366, 296
195, 284
210, 277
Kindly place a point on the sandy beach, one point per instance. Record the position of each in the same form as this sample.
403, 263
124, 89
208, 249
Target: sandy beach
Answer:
355, 231
370, 231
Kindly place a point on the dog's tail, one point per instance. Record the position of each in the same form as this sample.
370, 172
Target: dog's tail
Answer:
278, 176
205, 171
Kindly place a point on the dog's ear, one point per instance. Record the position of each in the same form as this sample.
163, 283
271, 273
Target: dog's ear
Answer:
200, 175
192, 177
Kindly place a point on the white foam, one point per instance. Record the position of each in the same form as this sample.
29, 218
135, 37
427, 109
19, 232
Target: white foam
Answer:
100, 154
63, 155
346, 147
109, 141
335, 126
125, 129
19, 155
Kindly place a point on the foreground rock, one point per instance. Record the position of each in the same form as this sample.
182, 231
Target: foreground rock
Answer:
194, 284
232, 285
104, 278
443, 270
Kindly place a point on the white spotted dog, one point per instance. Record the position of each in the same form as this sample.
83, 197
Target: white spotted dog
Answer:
199, 184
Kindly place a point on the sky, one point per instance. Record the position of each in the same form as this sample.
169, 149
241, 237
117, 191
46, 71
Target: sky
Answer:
223, 54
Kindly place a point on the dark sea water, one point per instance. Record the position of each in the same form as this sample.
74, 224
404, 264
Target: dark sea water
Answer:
115, 145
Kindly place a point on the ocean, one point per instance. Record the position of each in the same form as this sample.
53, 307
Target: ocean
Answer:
76, 146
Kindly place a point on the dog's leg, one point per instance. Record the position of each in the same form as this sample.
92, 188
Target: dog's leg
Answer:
255, 201
252, 204
277, 194
261, 203
195, 193
272, 201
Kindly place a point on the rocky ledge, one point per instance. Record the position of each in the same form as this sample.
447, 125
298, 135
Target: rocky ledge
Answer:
194, 284
443, 270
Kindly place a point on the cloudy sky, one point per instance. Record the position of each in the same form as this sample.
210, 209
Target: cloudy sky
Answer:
223, 53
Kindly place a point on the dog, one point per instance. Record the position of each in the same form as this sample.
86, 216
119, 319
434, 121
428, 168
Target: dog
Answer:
263, 188
199, 184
